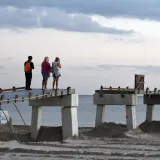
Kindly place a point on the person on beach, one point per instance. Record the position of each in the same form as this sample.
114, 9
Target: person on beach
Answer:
28, 66
46, 69
56, 65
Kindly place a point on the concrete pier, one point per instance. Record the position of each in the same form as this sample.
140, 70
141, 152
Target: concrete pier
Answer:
115, 99
36, 121
69, 114
69, 122
150, 101
131, 116
58, 101
100, 111
129, 100
149, 112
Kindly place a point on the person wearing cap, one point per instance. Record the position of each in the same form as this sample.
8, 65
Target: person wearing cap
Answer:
56, 65
28, 66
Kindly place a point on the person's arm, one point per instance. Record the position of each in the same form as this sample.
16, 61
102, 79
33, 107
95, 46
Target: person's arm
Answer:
32, 65
59, 65
52, 69
49, 66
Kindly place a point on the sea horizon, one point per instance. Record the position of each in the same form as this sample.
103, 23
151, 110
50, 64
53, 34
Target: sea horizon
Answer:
86, 113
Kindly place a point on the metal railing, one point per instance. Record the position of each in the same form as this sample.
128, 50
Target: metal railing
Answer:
45, 94
127, 90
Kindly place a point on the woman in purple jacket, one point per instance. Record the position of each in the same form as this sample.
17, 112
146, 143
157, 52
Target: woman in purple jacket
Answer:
46, 69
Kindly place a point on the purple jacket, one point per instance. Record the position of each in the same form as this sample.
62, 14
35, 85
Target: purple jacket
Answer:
46, 67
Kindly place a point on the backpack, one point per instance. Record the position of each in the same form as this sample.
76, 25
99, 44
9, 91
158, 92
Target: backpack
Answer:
27, 67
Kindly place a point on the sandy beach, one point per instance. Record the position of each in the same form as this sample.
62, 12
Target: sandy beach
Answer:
109, 141
77, 64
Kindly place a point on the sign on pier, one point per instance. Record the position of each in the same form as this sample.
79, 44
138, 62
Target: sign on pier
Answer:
3, 116
139, 82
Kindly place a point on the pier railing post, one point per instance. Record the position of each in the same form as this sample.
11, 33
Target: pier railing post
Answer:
36, 121
131, 116
149, 112
69, 122
100, 111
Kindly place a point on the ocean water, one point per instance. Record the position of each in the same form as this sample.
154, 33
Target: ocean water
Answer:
51, 116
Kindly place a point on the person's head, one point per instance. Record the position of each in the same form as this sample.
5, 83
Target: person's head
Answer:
46, 59
30, 58
57, 59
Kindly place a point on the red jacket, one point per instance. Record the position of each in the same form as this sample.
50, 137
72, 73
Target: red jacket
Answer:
46, 67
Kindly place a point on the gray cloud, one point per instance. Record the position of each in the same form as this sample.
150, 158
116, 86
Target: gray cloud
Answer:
84, 68
11, 17
143, 9
7, 59
146, 69
2, 67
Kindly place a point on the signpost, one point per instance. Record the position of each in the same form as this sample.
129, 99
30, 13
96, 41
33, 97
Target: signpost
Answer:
139, 82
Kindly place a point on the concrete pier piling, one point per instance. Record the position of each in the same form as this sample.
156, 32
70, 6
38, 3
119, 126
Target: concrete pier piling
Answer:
69, 122
149, 112
36, 121
151, 100
112, 98
68, 102
100, 112
65, 98
131, 116
127, 97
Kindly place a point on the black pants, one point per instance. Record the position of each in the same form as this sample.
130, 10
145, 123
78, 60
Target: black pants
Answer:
28, 79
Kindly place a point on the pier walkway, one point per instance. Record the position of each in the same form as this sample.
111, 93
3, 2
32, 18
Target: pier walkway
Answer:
68, 100
127, 97
37, 98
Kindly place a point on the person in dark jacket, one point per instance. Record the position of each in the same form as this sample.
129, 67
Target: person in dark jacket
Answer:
28, 66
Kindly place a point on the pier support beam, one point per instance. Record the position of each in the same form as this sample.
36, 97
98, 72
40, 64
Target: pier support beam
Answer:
69, 113
131, 116
36, 121
100, 111
149, 112
129, 100
69, 122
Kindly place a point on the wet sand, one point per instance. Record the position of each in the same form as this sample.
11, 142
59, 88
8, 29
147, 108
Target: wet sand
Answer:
109, 141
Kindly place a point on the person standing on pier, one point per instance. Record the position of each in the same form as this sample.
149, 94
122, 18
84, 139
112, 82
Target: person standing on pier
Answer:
28, 66
46, 69
56, 65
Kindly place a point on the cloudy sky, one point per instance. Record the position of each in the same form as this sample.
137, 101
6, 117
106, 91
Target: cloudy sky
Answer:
100, 42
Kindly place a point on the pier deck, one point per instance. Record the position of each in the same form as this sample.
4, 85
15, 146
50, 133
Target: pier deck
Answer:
26, 95
127, 91
128, 97
67, 99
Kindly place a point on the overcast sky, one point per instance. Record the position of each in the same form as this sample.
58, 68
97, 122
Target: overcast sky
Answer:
100, 42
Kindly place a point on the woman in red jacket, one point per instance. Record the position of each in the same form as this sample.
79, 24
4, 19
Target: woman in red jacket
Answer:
46, 69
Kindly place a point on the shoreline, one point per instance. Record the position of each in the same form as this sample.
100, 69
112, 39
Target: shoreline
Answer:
54, 133
109, 141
